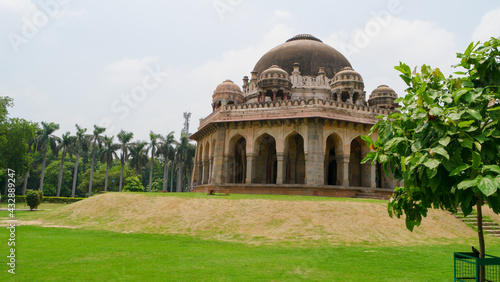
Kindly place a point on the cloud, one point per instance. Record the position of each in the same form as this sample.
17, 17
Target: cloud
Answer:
488, 27
374, 54
128, 71
281, 14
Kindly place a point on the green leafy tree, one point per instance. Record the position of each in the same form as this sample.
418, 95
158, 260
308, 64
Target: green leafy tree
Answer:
153, 146
81, 145
33, 199
184, 154
108, 153
445, 141
96, 139
133, 185
66, 145
138, 156
124, 138
166, 151
44, 139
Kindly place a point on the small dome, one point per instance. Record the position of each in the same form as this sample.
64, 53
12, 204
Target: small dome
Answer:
274, 76
383, 96
274, 71
347, 78
228, 86
227, 92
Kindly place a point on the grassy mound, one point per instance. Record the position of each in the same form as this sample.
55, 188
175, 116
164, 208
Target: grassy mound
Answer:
255, 219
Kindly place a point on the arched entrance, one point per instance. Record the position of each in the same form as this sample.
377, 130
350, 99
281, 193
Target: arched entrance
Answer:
294, 161
359, 174
265, 161
237, 159
333, 153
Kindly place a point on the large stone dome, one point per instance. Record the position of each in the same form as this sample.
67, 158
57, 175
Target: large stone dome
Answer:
306, 50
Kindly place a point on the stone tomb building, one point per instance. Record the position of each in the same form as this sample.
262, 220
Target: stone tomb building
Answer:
294, 127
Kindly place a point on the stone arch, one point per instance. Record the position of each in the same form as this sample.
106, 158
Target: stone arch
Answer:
334, 160
265, 165
237, 160
294, 162
359, 174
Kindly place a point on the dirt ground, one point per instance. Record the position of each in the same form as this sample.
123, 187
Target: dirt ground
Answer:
255, 221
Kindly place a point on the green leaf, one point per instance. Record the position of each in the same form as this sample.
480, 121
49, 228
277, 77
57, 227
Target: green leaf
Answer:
465, 123
432, 163
475, 114
441, 151
435, 111
393, 142
459, 169
445, 141
476, 159
493, 168
466, 142
488, 185
466, 184
367, 139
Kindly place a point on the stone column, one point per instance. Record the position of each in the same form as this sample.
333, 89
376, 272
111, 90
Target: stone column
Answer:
218, 159
315, 157
373, 176
343, 170
274, 94
200, 173
280, 177
210, 170
250, 169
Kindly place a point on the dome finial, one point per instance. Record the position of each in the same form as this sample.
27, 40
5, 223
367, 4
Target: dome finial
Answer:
304, 37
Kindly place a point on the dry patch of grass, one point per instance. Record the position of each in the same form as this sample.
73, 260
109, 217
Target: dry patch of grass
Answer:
255, 220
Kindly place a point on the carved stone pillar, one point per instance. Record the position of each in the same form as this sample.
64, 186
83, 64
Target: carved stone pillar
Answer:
250, 169
343, 170
281, 168
315, 170
274, 94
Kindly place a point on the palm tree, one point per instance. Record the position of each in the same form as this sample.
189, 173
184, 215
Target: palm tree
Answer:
153, 146
67, 145
96, 139
31, 146
44, 139
167, 152
181, 155
124, 138
108, 153
81, 139
138, 156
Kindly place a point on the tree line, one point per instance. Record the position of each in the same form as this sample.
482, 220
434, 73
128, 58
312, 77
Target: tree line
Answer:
87, 162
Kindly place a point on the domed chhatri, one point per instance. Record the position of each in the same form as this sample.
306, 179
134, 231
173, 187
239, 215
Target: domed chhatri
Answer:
294, 127
306, 50
383, 97
228, 93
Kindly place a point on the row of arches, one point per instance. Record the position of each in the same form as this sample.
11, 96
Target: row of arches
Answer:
260, 161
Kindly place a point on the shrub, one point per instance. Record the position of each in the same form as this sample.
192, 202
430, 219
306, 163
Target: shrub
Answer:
33, 199
133, 185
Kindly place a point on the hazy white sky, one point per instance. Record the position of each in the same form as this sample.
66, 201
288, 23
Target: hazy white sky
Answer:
138, 65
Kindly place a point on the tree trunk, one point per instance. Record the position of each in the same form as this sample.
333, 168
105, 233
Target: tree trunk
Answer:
171, 177
121, 175
179, 179
25, 182
43, 170
60, 175
480, 234
165, 176
151, 170
106, 179
91, 171
75, 172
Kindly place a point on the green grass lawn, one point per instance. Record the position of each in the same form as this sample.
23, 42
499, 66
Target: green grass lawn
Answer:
75, 254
